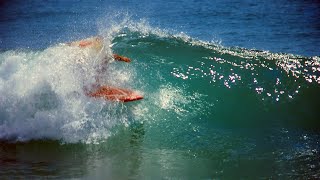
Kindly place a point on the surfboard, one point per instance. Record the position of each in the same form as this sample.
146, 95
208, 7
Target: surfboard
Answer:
115, 94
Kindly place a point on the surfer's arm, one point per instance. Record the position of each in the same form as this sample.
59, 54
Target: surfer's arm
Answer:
96, 42
92, 42
121, 58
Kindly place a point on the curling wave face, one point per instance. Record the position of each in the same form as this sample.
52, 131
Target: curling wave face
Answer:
219, 80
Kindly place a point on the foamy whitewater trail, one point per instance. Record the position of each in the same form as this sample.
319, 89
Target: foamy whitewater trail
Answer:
41, 96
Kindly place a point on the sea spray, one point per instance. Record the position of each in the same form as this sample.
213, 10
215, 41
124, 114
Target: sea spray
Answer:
42, 96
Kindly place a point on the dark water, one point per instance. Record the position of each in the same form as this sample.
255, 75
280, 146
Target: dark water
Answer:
231, 90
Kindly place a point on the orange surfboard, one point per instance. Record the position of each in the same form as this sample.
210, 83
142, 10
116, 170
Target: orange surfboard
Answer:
115, 94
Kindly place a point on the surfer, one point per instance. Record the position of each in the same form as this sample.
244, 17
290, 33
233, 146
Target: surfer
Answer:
94, 45
97, 90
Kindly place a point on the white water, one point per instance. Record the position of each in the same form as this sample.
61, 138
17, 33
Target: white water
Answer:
41, 96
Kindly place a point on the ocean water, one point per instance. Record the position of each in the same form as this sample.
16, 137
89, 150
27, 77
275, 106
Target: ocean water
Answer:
231, 90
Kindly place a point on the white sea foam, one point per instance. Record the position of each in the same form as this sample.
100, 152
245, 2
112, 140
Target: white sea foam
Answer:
41, 96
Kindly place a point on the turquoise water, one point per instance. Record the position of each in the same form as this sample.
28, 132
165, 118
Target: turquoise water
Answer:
245, 107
